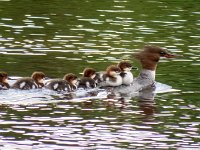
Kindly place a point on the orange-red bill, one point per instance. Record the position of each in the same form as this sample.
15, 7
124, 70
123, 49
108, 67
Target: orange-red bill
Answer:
171, 55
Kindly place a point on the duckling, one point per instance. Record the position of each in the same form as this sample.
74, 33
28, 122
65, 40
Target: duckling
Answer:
86, 82
111, 77
127, 76
58, 85
68, 83
89, 72
3, 81
35, 81
88, 79
72, 80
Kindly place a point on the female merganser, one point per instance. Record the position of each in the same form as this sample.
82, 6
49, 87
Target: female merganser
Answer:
111, 77
68, 83
88, 79
4, 81
126, 74
35, 81
149, 58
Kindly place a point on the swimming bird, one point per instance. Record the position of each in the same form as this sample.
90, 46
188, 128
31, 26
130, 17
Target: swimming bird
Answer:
111, 77
89, 72
72, 80
68, 83
35, 81
149, 57
4, 81
126, 74
89, 79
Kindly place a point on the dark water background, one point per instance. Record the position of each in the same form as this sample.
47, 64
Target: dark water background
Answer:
62, 36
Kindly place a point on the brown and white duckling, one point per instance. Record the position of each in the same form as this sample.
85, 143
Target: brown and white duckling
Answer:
111, 77
68, 83
35, 81
72, 80
126, 74
89, 72
4, 81
89, 79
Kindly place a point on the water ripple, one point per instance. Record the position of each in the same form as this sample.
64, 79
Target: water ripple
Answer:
64, 37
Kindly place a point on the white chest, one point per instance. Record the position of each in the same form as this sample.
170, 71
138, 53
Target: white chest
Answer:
127, 79
117, 82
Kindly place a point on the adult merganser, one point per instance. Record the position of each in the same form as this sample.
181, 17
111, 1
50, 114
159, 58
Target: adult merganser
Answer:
4, 81
111, 77
126, 74
68, 83
88, 79
35, 81
149, 58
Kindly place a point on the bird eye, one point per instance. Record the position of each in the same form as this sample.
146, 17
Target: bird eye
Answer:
162, 53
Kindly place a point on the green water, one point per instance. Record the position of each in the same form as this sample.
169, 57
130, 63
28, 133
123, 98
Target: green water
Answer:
58, 37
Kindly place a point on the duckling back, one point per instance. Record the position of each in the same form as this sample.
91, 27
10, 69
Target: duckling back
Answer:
58, 85
86, 82
25, 84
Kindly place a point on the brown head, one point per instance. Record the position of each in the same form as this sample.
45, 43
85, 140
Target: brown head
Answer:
89, 72
38, 77
125, 66
4, 79
71, 78
113, 71
150, 55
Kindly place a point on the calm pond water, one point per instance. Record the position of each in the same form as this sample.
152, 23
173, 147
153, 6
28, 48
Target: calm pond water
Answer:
58, 37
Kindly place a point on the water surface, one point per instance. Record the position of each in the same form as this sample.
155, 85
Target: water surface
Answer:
59, 37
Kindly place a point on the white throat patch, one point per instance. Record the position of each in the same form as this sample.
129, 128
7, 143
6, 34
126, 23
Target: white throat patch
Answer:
149, 73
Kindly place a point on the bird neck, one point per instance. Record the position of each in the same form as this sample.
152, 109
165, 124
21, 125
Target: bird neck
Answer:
149, 64
150, 74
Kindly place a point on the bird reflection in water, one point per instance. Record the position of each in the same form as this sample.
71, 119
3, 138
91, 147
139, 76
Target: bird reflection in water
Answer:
120, 101
146, 103
114, 101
